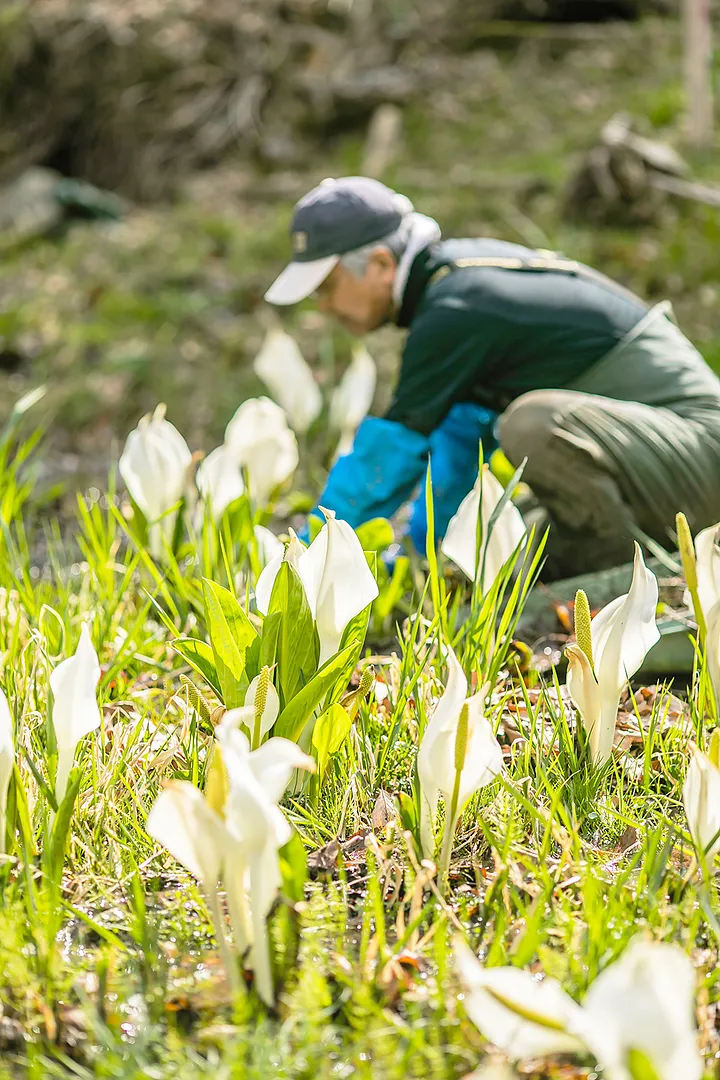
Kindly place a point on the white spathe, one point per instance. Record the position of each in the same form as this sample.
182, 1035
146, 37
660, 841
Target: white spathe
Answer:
183, 822
524, 1016
712, 648
7, 763
241, 843
154, 466
707, 555
352, 398
219, 480
75, 710
436, 756
246, 716
260, 441
644, 1002
269, 547
338, 581
264, 587
508, 532
284, 370
701, 798
622, 635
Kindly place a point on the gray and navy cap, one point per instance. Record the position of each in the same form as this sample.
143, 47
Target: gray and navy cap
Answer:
334, 218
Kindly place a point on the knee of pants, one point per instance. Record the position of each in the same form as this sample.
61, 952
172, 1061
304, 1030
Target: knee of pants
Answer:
525, 426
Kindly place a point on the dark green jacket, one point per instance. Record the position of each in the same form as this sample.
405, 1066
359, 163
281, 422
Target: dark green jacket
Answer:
487, 334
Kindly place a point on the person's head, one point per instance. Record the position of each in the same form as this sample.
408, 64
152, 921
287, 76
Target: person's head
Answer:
347, 238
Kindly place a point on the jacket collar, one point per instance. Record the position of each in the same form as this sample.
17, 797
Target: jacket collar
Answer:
424, 265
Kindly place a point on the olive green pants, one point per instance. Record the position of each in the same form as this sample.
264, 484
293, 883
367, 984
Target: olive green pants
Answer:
622, 449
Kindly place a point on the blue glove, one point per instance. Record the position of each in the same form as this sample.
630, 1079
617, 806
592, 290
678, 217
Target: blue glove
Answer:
454, 449
379, 474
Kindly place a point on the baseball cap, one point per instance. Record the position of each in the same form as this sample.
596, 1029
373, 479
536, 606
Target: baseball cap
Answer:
334, 218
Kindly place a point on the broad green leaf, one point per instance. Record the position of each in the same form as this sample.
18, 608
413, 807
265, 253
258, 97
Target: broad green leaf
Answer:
408, 813
330, 731
297, 646
269, 637
375, 535
297, 712
18, 814
199, 656
253, 659
231, 632
353, 639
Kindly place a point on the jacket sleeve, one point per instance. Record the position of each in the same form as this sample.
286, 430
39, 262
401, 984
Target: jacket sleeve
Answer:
444, 356
454, 458
386, 463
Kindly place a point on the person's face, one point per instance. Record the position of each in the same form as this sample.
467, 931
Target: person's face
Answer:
360, 304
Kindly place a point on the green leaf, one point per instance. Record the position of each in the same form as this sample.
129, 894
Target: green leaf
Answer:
61, 825
253, 659
297, 646
353, 638
231, 632
199, 656
272, 625
408, 813
293, 867
330, 732
297, 712
392, 593
375, 535
18, 814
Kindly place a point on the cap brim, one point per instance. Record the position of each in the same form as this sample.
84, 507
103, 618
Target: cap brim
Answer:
299, 280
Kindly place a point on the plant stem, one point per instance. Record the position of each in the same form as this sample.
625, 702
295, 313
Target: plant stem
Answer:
452, 811
261, 948
226, 954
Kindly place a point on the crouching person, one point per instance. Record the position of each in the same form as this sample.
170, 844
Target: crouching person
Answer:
616, 412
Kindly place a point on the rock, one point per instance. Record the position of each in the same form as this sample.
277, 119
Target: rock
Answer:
28, 205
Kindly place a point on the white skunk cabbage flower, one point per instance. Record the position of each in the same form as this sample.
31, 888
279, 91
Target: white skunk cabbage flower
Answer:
508, 532
639, 1015
701, 797
75, 710
609, 650
712, 648
219, 480
264, 587
707, 557
259, 710
352, 398
182, 821
7, 763
257, 829
338, 581
522, 1015
259, 439
446, 747
154, 466
289, 378
701, 565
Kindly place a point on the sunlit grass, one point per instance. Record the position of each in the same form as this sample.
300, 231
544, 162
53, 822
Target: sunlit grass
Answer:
108, 962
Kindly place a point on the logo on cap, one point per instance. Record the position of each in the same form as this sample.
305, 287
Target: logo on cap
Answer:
299, 242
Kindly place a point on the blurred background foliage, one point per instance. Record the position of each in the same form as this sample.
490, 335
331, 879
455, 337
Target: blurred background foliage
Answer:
209, 118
